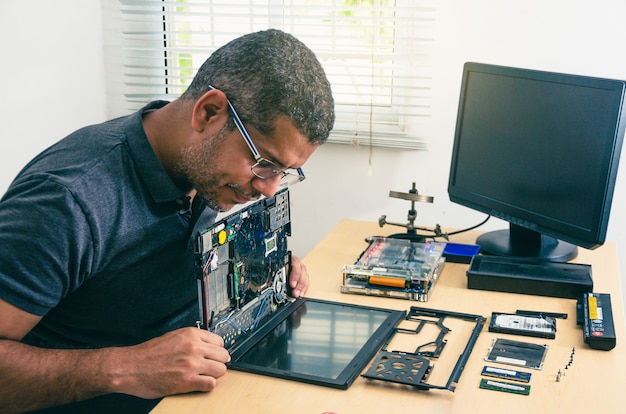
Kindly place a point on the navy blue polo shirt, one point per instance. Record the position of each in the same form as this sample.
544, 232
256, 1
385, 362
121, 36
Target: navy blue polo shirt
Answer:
96, 238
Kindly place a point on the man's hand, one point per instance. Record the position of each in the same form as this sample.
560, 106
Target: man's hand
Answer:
185, 360
298, 277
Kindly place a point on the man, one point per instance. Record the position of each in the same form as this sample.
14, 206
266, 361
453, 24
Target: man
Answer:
97, 296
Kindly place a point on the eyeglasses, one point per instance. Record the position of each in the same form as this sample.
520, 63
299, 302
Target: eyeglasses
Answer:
264, 168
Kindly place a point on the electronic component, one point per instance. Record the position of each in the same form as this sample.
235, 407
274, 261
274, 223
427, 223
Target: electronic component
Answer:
518, 353
397, 268
460, 253
520, 139
414, 366
558, 315
242, 265
519, 275
507, 374
504, 386
597, 321
517, 324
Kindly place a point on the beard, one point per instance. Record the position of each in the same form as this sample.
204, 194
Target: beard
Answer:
200, 165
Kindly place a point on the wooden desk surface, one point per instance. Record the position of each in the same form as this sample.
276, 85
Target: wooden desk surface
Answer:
593, 382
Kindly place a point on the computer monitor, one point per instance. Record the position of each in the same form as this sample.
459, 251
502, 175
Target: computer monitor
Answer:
539, 150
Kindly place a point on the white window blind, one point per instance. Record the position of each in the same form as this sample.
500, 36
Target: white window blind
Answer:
377, 55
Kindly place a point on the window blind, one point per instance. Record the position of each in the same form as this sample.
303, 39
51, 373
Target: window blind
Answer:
377, 55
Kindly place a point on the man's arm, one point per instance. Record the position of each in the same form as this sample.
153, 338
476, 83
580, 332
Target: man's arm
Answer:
184, 360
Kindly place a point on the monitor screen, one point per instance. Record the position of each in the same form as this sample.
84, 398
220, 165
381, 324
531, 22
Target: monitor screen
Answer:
539, 150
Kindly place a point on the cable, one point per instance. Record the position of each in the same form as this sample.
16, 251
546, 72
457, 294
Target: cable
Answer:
436, 232
470, 228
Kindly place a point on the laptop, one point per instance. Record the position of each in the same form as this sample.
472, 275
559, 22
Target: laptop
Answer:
242, 271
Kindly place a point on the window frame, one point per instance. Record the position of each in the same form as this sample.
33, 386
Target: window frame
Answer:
387, 104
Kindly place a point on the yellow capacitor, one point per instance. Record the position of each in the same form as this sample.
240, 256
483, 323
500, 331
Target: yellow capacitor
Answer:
221, 237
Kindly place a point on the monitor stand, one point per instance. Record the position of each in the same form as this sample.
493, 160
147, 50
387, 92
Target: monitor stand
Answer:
519, 241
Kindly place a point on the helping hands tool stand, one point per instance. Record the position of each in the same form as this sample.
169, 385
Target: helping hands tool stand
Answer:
411, 230
403, 265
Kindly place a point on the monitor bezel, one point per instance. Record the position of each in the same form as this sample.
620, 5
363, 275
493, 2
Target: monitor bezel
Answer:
541, 224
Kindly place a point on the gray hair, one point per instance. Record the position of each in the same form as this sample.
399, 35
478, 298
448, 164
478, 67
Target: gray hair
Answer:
267, 74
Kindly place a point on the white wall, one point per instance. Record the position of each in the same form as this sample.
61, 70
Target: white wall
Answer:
44, 98
52, 76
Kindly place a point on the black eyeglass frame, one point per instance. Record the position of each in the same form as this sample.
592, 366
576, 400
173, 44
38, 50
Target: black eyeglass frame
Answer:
290, 176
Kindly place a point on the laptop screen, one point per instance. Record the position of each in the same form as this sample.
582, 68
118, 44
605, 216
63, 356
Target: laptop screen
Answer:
319, 342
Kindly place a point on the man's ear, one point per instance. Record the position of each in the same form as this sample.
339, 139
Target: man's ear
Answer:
210, 108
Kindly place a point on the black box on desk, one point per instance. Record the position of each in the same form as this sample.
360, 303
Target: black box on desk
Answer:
528, 276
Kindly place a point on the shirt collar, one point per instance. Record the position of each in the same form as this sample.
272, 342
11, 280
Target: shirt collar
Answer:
148, 166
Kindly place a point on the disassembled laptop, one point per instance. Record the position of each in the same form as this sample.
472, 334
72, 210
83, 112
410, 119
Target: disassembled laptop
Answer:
242, 265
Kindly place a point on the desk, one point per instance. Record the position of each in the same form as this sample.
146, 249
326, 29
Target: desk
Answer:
593, 383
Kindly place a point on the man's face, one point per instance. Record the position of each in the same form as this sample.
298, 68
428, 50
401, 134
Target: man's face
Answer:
219, 166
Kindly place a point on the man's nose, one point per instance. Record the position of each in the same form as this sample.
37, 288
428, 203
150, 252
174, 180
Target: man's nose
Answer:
267, 186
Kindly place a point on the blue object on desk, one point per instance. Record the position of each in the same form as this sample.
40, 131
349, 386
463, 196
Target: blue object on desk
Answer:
460, 253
